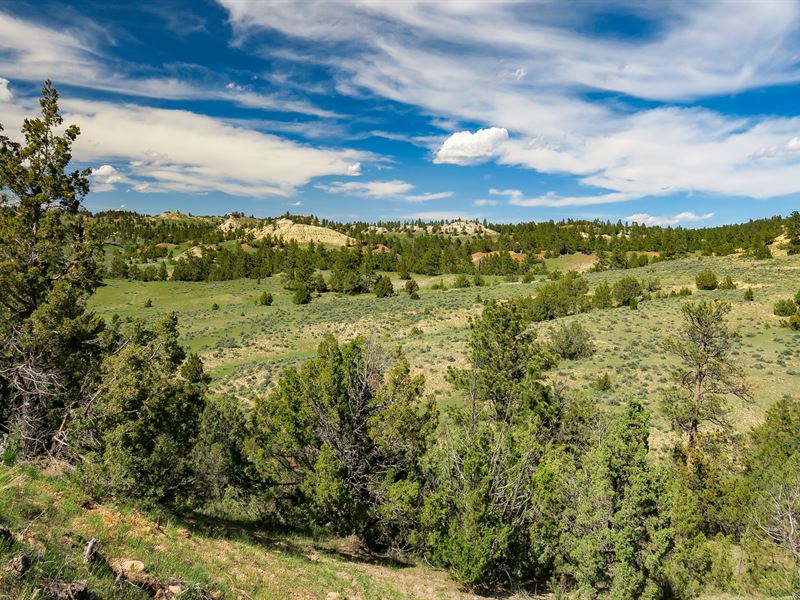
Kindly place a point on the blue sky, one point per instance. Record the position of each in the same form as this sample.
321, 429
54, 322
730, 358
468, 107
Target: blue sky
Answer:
657, 112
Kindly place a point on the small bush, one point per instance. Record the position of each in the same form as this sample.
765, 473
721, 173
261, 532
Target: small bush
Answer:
478, 280
653, 284
412, 289
148, 303
384, 287
302, 295
627, 289
461, 282
215, 306
784, 308
603, 383
265, 299
706, 280
572, 341
748, 295
727, 284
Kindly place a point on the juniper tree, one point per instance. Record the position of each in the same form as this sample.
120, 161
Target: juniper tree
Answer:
618, 531
48, 267
340, 442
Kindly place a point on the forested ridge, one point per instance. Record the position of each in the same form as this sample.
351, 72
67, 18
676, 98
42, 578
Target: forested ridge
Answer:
524, 485
411, 248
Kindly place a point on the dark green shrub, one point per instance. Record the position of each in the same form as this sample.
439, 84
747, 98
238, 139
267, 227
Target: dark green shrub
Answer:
626, 289
572, 341
461, 282
302, 295
412, 289
784, 308
265, 299
706, 280
383, 287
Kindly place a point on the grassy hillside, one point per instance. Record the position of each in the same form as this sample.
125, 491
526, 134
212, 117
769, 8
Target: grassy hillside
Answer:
245, 346
51, 520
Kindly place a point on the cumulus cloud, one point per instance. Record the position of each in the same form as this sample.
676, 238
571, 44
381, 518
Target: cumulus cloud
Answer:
106, 178
684, 217
789, 147
485, 202
5, 93
466, 148
393, 189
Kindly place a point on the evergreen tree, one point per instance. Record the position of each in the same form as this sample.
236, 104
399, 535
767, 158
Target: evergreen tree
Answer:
619, 532
140, 434
412, 289
384, 287
342, 439
48, 267
602, 296
707, 374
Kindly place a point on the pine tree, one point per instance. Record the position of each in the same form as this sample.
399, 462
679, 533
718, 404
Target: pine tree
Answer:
707, 374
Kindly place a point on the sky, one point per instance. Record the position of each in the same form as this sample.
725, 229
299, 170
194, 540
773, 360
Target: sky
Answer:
667, 113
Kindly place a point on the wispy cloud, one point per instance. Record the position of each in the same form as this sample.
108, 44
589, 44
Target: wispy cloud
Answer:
34, 52
158, 150
553, 200
389, 189
443, 58
684, 217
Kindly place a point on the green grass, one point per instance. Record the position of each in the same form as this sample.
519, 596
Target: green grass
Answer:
51, 519
245, 346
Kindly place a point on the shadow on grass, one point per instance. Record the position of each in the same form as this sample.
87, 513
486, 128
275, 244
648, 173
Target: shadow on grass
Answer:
273, 537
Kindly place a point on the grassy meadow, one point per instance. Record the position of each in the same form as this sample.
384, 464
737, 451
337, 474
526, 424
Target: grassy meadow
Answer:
245, 345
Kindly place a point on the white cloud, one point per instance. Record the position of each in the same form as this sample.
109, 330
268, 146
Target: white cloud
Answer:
34, 52
5, 93
177, 150
392, 189
758, 41
106, 178
485, 202
438, 215
789, 147
443, 57
466, 148
684, 217
553, 200
370, 189
428, 196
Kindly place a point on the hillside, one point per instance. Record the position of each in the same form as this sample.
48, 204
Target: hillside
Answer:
301, 233
51, 520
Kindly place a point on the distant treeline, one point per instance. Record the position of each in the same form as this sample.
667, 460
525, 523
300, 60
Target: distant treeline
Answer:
617, 246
